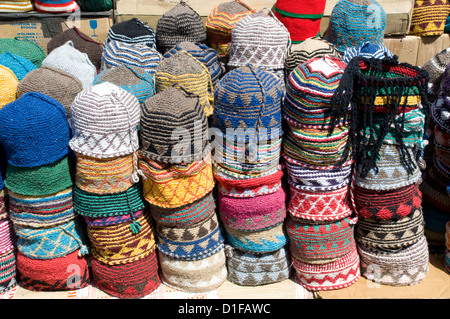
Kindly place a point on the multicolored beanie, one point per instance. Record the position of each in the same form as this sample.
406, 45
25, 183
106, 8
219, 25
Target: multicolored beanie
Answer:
8, 271
368, 50
56, 6
436, 67
23, 47
9, 83
113, 220
16, 5
353, 22
8, 236
181, 23
301, 18
17, 64
429, 17
133, 32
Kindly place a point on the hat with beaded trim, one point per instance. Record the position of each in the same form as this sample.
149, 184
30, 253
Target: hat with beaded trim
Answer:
17, 64
8, 271
132, 32
366, 49
9, 83
56, 6
23, 47
428, 17
16, 5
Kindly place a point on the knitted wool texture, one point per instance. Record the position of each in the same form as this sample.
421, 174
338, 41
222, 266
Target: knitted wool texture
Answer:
368, 50
131, 280
4, 205
180, 23
185, 70
435, 219
17, 64
52, 274
435, 68
105, 120
116, 53
34, 130
435, 194
81, 41
56, 6
8, 236
173, 126
220, 23
194, 276
403, 267
95, 6
113, 220
53, 82
16, 6
133, 79
429, 17
8, 271
248, 269
24, 48
9, 82
353, 22
302, 18
132, 32
439, 112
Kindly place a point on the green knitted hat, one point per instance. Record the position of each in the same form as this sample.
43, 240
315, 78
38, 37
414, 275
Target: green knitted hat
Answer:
24, 48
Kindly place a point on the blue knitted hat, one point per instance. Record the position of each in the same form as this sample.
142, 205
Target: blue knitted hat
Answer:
368, 50
34, 130
16, 63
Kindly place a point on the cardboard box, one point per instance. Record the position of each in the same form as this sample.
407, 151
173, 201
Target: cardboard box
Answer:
430, 46
406, 48
41, 27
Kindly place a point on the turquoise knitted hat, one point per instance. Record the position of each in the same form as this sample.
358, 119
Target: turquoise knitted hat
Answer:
24, 48
19, 65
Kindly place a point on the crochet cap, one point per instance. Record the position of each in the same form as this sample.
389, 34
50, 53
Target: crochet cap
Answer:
105, 120
8, 271
56, 6
24, 48
181, 23
34, 130
133, 32
429, 17
8, 82
368, 50
17, 64
16, 5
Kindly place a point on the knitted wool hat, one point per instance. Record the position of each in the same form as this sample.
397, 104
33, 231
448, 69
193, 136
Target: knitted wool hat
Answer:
337, 274
429, 17
383, 205
435, 194
368, 50
135, 80
301, 18
435, 219
17, 64
8, 271
113, 220
4, 205
56, 6
353, 22
24, 48
69, 272
41, 180
117, 245
191, 243
53, 82
187, 215
436, 67
116, 53
248, 269
132, 32
259, 39
206, 55
8, 236
220, 23
185, 70
181, 23
201, 275
105, 120
81, 42
34, 130
96, 6
167, 116
310, 48
41, 211
403, 267
80, 65
390, 233
260, 241
16, 6
132, 280
9, 82
440, 110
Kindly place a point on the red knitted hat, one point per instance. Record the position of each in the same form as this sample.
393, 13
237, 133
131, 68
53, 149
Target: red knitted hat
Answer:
69, 272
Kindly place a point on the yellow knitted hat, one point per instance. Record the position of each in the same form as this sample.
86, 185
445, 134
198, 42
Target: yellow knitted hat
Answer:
8, 86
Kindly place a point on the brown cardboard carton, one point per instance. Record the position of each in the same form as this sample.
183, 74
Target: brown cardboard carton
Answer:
406, 48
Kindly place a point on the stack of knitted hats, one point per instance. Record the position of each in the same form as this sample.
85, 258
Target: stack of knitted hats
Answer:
16, 5
108, 191
220, 23
320, 219
429, 17
385, 102
178, 186
251, 197
52, 245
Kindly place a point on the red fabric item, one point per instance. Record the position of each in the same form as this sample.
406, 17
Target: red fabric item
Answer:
302, 6
300, 29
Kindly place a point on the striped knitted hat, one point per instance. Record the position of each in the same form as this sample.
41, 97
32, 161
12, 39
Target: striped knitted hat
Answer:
105, 120
220, 23
167, 116
8, 236
81, 42
181, 23
131, 280
133, 32
54, 82
310, 48
436, 67
249, 269
368, 50
9, 82
193, 276
113, 220
8, 271
185, 70
429, 17
353, 22
96, 6
16, 5
301, 18
52, 274
24, 48
116, 53
17, 64
56, 6
80, 65
35, 130
259, 39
